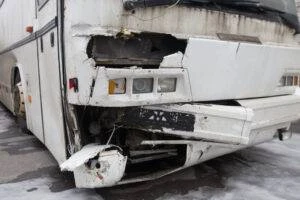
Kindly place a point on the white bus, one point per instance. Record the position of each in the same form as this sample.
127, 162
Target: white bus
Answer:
122, 91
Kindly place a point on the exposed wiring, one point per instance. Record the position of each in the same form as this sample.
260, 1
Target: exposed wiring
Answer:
169, 7
112, 133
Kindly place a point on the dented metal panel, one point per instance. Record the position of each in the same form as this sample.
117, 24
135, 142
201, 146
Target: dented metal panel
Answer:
211, 68
237, 70
225, 124
215, 130
96, 166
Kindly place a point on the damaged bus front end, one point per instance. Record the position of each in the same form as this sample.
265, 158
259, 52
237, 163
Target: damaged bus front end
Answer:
154, 88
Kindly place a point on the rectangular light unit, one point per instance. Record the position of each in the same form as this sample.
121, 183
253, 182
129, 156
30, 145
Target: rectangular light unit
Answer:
166, 85
142, 85
117, 86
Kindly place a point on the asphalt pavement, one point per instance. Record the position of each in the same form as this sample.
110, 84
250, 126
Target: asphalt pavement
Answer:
267, 171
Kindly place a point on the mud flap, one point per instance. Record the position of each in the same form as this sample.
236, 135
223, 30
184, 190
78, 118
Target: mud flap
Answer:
96, 166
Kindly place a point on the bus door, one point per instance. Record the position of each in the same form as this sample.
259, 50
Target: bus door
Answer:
50, 78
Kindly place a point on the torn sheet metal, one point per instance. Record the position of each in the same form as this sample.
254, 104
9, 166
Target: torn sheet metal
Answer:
219, 123
192, 121
197, 152
81, 157
173, 60
96, 166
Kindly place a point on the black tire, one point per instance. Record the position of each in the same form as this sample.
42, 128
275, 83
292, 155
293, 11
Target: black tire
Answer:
20, 117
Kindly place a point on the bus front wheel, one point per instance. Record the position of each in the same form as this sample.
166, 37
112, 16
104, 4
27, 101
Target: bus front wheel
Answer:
19, 105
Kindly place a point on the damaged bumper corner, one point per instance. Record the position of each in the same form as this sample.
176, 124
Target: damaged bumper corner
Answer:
96, 166
183, 135
252, 121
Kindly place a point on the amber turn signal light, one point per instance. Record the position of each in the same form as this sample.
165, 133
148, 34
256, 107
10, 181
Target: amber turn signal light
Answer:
117, 86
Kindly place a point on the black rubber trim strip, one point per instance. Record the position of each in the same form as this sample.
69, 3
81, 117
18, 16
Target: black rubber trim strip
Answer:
41, 6
49, 26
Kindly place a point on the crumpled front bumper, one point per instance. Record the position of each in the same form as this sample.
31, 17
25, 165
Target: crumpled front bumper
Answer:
206, 130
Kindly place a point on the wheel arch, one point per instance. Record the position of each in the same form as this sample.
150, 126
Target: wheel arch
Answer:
15, 70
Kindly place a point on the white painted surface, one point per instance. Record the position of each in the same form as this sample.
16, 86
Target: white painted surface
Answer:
86, 153
51, 99
106, 17
243, 124
216, 69
211, 69
232, 70
15, 16
110, 171
30, 80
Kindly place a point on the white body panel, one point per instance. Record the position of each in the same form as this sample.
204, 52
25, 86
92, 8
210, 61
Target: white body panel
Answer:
39, 70
215, 69
208, 69
108, 17
233, 70
23, 58
51, 99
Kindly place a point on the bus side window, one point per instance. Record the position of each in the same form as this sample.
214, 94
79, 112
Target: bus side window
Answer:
41, 3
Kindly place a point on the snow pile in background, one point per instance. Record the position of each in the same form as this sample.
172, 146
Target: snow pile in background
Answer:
272, 172
38, 189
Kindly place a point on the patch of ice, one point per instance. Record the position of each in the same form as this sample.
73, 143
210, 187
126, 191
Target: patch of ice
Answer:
273, 173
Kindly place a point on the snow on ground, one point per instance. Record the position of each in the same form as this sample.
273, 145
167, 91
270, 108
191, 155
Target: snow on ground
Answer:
270, 171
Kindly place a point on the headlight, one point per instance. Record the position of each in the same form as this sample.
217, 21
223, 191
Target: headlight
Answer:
142, 85
117, 86
166, 85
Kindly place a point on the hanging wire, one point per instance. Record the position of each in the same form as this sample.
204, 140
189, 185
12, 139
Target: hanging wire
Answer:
156, 17
112, 133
